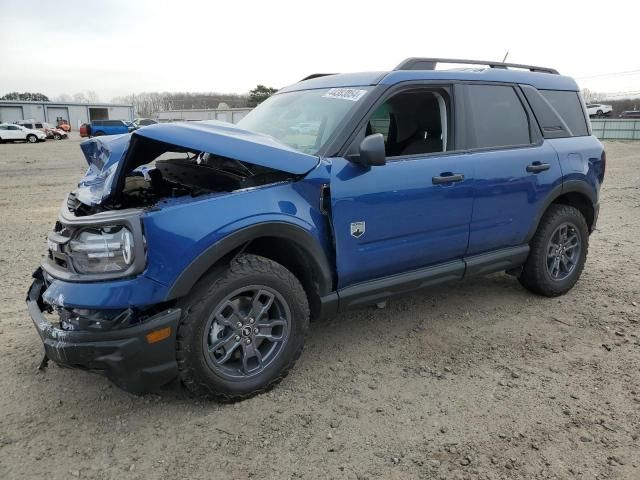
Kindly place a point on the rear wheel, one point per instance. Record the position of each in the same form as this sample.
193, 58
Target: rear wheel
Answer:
242, 329
558, 252
32, 138
57, 136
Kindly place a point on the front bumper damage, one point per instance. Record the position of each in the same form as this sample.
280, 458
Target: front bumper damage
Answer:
130, 357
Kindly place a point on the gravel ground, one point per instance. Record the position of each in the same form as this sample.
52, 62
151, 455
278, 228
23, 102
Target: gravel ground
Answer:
477, 380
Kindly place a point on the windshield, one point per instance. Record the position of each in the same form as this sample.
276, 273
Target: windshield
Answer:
303, 120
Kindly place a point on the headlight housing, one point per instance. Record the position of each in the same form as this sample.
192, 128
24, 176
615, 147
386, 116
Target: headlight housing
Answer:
105, 249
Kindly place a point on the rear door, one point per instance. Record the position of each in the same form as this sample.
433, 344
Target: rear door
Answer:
14, 132
515, 169
109, 127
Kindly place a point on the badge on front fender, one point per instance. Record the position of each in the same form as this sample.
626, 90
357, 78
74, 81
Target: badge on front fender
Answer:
357, 229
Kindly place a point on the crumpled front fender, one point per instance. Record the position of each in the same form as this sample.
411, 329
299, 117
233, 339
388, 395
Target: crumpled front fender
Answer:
103, 154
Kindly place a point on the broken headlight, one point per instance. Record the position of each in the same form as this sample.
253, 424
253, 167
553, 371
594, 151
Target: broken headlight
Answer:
106, 249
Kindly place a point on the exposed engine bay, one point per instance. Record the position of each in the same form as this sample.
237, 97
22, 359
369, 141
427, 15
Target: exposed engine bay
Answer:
192, 174
180, 159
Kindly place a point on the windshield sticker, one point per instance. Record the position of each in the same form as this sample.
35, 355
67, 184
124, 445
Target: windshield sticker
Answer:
352, 94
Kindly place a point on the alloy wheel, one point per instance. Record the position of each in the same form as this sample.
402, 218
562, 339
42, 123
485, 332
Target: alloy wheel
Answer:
563, 251
246, 332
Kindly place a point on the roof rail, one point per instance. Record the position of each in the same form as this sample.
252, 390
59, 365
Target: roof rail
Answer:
316, 75
418, 63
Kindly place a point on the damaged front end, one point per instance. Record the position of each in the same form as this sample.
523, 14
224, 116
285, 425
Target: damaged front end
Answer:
174, 160
131, 357
98, 301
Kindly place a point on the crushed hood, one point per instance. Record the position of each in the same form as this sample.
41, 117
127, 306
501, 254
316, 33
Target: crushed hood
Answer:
111, 158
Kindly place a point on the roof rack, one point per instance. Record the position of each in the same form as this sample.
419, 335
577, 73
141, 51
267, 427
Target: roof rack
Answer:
418, 63
316, 75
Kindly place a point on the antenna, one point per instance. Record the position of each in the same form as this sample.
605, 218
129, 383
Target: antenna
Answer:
505, 56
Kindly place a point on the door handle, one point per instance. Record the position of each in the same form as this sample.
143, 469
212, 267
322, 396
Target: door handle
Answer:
537, 167
447, 178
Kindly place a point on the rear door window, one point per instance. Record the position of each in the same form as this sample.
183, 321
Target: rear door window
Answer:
569, 107
497, 117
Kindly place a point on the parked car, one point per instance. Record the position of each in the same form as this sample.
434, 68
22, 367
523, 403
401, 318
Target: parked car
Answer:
630, 114
599, 110
200, 250
57, 134
98, 128
49, 130
13, 133
305, 128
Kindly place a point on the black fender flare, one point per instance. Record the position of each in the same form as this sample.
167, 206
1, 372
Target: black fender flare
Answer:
568, 186
303, 239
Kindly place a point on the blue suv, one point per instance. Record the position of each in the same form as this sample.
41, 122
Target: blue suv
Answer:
200, 251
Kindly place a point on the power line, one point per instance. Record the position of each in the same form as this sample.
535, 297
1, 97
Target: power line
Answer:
627, 72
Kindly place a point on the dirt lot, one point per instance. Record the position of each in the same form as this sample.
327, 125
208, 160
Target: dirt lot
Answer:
479, 380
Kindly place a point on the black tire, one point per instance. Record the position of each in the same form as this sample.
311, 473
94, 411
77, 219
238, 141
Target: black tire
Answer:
599, 113
57, 136
195, 355
537, 275
31, 138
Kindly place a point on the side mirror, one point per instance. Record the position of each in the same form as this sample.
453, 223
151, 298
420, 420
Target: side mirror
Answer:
372, 151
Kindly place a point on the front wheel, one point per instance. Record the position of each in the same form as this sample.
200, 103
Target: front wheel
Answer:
32, 139
558, 252
242, 329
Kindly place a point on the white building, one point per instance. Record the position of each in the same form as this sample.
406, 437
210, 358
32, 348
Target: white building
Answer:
232, 115
75, 113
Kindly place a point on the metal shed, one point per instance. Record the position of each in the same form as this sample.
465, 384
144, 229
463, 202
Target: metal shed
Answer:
73, 112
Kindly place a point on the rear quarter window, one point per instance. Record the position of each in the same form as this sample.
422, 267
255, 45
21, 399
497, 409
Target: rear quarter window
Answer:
569, 107
498, 118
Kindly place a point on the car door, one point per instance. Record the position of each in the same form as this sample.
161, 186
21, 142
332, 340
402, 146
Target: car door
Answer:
410, 213
514, 169
16, 133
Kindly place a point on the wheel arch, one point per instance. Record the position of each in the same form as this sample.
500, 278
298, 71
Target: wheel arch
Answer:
574, 193
291, 246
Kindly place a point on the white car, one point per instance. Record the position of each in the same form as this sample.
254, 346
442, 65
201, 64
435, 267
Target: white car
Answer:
49, 130
13, 133
599, 109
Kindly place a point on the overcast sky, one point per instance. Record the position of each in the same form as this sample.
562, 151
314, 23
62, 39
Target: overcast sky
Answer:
117, 47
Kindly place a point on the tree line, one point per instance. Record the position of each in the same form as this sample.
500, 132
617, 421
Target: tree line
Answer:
146, 104
149, 103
